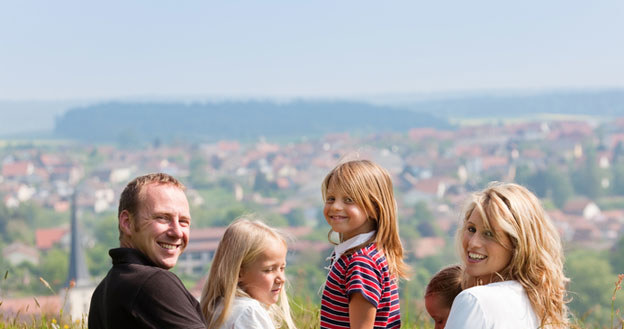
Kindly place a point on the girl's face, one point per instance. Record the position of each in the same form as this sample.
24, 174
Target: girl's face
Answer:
483, 255
263, 279
437, 310
343, 214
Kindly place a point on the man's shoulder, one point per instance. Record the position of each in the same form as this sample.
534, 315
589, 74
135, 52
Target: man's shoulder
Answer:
159, 277
130, 264
151, 280
141, 279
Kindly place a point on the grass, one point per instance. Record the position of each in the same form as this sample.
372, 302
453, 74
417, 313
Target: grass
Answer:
42, 320
305, 314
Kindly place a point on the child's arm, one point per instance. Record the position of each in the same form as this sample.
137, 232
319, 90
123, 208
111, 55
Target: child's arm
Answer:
361, 312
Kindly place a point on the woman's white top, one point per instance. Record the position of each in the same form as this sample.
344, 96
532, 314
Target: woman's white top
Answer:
503, 305
247, 313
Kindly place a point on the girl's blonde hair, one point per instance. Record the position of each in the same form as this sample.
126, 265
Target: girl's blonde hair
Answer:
370, 187
537, 255
243, 241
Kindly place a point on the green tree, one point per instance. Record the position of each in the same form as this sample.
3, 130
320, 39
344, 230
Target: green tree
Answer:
307, 274
616, 256
591, 284
37, 216
523, 175
422, 212
424, 220
263, 185
4, 219
54, 266
413, 290
618, 153
98, 260
559, 186
128, 139
19, 230
274, 219
198, 176
106, 231
296, 217
587, 179
94, 159
536, 182
618, 178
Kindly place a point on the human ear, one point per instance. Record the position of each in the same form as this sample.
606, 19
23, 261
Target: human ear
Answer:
125, 222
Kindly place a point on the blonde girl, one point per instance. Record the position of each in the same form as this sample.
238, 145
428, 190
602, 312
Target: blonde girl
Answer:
361, 290
245, 287
513, 262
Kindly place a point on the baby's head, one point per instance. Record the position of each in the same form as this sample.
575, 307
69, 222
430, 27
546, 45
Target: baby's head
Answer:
440, 293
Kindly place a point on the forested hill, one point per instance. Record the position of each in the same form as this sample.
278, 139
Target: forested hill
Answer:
141, 122
602, 103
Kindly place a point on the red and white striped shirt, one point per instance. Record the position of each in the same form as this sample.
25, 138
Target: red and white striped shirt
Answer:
365, 272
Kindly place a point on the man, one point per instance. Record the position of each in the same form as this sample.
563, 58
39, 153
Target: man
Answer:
139, 291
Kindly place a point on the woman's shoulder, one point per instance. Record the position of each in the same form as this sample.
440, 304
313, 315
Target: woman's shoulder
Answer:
496, 290
495, 303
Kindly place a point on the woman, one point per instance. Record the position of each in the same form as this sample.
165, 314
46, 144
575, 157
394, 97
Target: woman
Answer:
513, 263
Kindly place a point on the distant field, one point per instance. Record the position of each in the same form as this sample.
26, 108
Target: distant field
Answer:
7, 142
463, 122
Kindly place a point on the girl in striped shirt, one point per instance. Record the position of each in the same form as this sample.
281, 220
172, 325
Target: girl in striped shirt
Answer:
361, 290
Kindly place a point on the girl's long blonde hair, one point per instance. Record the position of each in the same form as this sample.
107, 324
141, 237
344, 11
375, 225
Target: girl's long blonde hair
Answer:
370, 187
537, 253
243, 241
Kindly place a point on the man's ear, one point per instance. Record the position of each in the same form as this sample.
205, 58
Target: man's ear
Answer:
125, 223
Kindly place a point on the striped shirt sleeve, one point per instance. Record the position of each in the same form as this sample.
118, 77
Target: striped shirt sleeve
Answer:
364, 277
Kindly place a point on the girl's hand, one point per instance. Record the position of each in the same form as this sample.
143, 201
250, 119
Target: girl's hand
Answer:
361, 312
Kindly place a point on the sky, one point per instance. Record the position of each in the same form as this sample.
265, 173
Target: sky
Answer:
76, 50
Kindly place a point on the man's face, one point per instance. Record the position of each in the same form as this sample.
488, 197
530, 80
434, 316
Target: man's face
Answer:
160, 228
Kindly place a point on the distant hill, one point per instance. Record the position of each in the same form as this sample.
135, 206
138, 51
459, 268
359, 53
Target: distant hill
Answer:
605, 103
140, 122
174, 120
29, 118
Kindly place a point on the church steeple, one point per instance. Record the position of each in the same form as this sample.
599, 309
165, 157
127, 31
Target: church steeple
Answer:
77, 265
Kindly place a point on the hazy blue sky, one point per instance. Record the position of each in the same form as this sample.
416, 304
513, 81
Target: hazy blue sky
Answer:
110, 49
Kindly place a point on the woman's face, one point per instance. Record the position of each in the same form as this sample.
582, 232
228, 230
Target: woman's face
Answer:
483, 255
